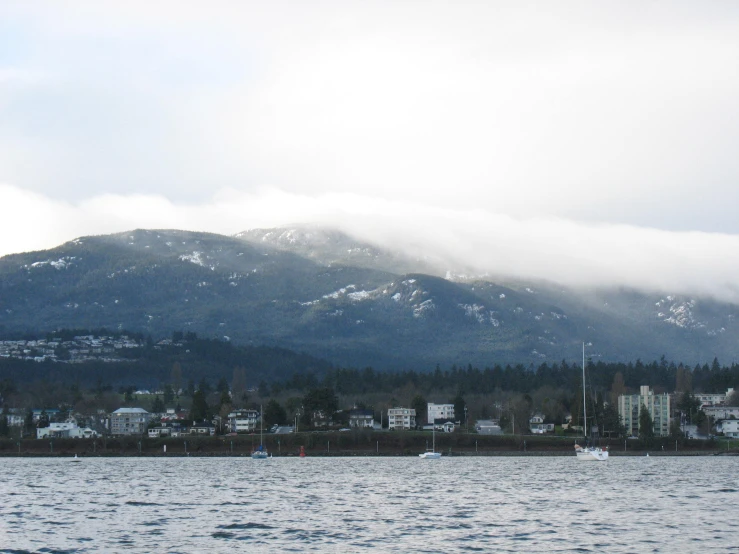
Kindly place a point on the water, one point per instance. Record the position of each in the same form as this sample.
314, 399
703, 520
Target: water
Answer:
490, 504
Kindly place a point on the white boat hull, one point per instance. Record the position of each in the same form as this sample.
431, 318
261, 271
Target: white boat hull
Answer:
592, 454
259, 455
430, 455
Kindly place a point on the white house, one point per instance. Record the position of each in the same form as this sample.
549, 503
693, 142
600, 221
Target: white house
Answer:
712, 398
439, 411
729, 427
721, 412
66, 430
538, 427
401, 418
364, 419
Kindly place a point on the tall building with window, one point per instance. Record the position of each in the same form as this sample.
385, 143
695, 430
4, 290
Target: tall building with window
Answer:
401, 418
440, 411
129, 421
658, 405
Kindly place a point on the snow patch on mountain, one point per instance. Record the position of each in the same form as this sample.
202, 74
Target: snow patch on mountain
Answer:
61, 263
480, 313
197, 258
424, 308
680, 314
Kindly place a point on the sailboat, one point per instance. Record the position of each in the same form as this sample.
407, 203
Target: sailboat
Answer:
260, 453
431, 454
588, 453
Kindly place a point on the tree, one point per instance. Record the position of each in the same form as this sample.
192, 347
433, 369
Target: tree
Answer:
321, 400
176, 377
238, 383
459, 405
274, 413
157, 406
683, 379
222, 385
612, 424
675, 431
421, 406
4, 428
688, 405
43, 420
29, 426
199, 410
646, 425
617, 387
204, 386
168, 394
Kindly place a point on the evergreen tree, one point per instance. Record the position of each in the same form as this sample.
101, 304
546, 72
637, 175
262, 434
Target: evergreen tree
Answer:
459, 405
29, 426
421, 406
157, 406
4, 428
199, 410
274, 413
646, 425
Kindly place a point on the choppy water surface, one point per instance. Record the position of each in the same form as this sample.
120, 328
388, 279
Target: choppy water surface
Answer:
486, 504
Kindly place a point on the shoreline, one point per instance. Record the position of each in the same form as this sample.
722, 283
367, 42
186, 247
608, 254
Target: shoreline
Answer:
355, 444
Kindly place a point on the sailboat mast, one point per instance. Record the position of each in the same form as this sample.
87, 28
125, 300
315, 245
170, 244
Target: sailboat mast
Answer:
584, 405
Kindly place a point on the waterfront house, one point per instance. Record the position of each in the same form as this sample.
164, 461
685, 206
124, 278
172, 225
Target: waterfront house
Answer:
203, 428
538, 427
363, 419
65, 430
729, 427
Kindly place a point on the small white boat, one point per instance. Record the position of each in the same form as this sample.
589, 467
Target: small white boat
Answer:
75, 459
588, 453
431, 454
260, 453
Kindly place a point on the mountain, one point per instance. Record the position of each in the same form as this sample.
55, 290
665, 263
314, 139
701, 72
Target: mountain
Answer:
321, 292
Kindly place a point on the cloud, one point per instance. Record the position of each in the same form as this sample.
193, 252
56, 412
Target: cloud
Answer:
598, 113
474, 241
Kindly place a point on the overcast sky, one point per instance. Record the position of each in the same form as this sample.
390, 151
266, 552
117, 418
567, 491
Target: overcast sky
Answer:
580, 142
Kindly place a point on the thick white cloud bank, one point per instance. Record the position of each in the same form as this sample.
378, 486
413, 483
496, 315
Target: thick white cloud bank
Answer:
580, 142
555, 249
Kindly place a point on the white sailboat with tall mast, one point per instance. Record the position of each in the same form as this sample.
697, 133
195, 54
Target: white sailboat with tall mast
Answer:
260, 453
431, 454
588, 453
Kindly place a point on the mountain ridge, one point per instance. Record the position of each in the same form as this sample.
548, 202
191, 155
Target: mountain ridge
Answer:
353, 303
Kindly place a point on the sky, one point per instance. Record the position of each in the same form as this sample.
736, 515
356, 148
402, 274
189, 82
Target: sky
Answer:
581, 142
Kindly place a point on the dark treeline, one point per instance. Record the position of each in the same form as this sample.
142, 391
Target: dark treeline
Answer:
661, 376
212, 360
